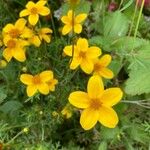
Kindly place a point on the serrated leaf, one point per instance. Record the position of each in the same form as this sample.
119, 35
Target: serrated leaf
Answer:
115, 25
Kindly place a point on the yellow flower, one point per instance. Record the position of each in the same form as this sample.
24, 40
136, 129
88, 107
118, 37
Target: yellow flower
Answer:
14, 48
33, 10
100, 67
17, 30
44, 34
3, 64
35, 40
37, 82
66, 112
26, 130
97, 104
83, 55
72, 23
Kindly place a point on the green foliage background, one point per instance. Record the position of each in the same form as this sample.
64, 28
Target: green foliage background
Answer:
112, 32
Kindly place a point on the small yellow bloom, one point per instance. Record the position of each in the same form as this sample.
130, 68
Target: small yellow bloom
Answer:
97, 104
37, 82
73, 23
3, 64
33, 10
83, 55
44, 34
66, 112
35, 40
26, 130
24, 69
100, 67
17, 30
14, 48
55, 113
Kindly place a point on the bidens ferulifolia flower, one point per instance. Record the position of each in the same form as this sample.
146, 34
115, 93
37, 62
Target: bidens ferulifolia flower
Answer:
72, 23
43, 82
83, 55
18, 30
97, 104
100, 67
14, 48
33, 10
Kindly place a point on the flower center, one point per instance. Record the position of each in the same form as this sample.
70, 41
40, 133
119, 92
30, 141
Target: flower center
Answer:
82, 54
97, 67
95, 104
34, 10
36, 80
14, 33
11, 44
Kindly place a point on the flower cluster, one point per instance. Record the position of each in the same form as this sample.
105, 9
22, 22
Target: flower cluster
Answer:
97, 102
23, 33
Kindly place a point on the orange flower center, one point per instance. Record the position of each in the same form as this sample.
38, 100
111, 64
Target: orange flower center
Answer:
34, 10
14, 33
95, 104
97, 67
37, 80
11, 44
82, 54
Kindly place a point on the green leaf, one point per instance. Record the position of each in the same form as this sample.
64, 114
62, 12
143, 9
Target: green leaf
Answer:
103, 146
116, 25
10, 106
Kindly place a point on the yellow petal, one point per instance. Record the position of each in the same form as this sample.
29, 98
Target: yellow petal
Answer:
8, 28
70, 13
105, 60
79, 99
36, 41
108, 117
82, 44
95, 87
46, 30
65, 20
43, 88
66, 29
111, 96
30, 5
52, 84
44, 11
77, 28
26, 79
81, 17
20, 24
27, 33
93, 52
19, 54
24, 12
87, 66
7, 54
41, 3
33, 19
89, 118
31, 90
68, 50
75, 62
47, 38
46, 76
106, 73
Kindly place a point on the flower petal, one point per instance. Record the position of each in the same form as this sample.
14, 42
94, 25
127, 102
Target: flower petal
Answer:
111, 96
19, 54
66, 29
20, 23
31, 90
33, 19
30, 4
106, 73
44, 11
81, 17
65, 20
46, 76
24, 12
43, 88
75, 62
68, 50
69, 14
8, 28
79, 99
82, 44
87, 66
41, 3
7, 54
89, 118
77, 28
93, 52
35, 41
95, 87
26, 79
108, 117
105, 60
